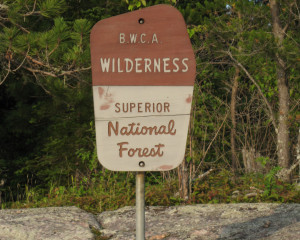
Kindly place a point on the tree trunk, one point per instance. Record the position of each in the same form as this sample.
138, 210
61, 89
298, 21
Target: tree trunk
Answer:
234, 163
249, 159
192, 160
298, 152
235, 85
184, 181
283, 93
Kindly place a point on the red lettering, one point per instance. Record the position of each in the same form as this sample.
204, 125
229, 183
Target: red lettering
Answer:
137, 129
117, 105
111, 127
132, 106
140, 107
166, 107
121, 149
155, 151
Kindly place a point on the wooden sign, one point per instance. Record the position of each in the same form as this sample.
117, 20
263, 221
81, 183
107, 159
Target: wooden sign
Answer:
143, 71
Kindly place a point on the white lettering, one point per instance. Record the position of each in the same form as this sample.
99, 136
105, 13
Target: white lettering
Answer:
147, 64
175, 64
186, 66
156, 65
119, 66
127, 63
166, 64
144, 65
113, 65
154, 38
141, 38
137, 65
105, 64
122, 37
133, 38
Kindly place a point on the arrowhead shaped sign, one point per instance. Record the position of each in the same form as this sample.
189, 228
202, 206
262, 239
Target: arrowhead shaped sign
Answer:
143, 70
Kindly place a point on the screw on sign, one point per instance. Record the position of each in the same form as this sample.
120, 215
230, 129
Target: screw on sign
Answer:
143, 70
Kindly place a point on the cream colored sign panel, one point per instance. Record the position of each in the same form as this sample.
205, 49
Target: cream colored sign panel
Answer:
141, 128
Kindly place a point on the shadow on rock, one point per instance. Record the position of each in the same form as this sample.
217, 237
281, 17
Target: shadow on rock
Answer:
284, 223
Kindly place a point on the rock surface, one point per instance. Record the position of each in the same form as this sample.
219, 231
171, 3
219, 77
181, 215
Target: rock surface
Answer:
209, 222
47, 223
217, 221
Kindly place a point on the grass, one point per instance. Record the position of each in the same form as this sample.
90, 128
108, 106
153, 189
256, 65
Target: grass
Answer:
115, 192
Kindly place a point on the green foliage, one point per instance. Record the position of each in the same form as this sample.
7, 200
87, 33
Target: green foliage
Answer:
263, 160
51, 8
97, 234
47, 145
108, 191
46, 116
224, 187
135, 4
216, 189
270, 181
162, 194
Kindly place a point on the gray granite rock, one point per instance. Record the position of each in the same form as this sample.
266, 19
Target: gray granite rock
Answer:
193, 222
47, 223
209, 222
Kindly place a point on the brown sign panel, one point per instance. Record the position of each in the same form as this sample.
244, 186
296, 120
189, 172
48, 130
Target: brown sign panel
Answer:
148, 47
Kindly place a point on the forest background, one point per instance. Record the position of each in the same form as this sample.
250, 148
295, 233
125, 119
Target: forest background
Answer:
244, 134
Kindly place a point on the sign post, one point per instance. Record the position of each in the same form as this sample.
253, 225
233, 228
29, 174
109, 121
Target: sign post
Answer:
140, 205
143, 71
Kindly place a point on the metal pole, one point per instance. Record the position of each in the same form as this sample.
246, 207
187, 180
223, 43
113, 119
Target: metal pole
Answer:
140, 205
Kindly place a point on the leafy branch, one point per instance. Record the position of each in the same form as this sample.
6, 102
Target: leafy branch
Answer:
271, 113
